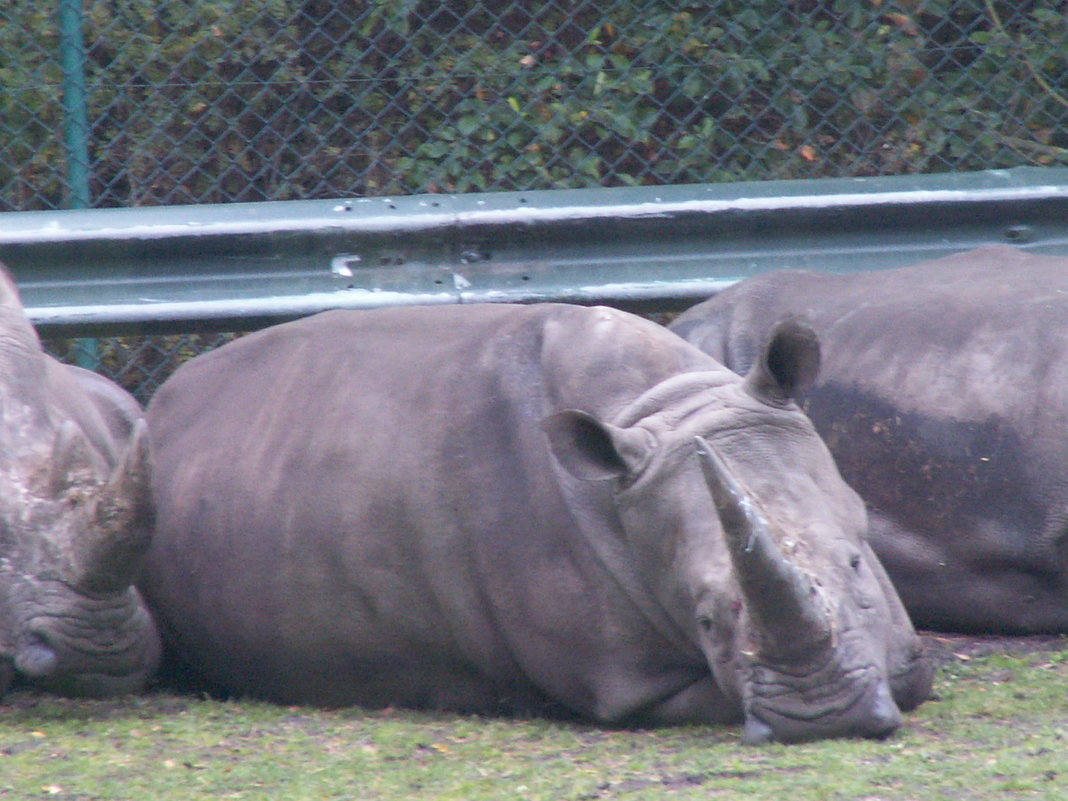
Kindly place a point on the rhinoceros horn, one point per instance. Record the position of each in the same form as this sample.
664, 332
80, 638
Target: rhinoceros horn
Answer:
107, 553
782, 606
72, 462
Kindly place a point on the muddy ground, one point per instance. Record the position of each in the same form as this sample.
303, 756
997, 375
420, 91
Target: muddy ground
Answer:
948, 648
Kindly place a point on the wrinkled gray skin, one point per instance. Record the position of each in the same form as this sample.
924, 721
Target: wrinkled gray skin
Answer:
75, 518
498, 508
943, 395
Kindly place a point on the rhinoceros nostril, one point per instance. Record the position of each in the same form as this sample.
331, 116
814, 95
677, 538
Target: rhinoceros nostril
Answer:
35, 659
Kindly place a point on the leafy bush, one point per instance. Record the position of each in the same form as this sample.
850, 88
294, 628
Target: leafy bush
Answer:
218, 100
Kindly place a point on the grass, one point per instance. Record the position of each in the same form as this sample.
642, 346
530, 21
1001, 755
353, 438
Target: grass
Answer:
997, 729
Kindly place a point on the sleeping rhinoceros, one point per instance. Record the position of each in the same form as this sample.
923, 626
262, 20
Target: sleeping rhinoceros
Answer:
75, 520
943, 395
494, 508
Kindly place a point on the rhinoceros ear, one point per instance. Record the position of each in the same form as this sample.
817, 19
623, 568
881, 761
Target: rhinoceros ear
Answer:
788, 365
592, 450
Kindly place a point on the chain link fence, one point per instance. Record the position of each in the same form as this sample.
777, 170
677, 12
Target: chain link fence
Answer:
141, 102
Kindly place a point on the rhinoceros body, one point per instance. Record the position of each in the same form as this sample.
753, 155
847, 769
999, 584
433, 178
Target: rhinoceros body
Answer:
943, 395
75, 519
496, 508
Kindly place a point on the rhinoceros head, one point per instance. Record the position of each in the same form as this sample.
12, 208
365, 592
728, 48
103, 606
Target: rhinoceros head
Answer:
75, 516
758, 545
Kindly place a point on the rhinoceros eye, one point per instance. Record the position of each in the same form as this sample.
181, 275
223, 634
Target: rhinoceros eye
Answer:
854, 562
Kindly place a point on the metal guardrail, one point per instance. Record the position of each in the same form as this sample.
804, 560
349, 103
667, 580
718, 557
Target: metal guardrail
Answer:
240, 266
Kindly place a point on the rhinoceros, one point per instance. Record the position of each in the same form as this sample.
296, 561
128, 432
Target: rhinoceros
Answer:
75, 521
499, 508
943, 396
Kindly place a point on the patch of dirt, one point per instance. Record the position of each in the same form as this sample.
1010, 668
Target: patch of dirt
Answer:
944, 649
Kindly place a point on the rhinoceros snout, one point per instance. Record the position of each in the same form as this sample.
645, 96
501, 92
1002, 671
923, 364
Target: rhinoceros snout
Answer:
874, 715
81, 647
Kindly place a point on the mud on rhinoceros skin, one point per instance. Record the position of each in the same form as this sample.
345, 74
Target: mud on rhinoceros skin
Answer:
75, 519
497, 507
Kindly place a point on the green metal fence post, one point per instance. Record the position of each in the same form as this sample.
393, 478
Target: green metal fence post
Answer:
76, 130
76, 116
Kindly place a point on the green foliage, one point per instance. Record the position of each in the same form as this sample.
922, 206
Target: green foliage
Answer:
30, 112
137, 363
218, 100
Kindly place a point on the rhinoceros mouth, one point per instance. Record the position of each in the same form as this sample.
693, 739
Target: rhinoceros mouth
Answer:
833, 701
75, 645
